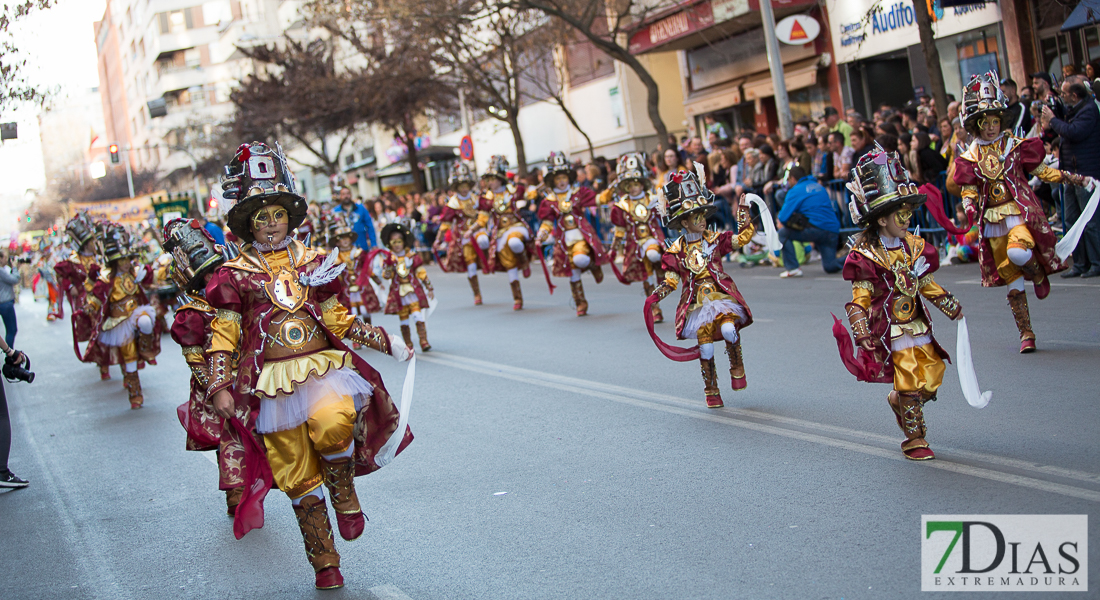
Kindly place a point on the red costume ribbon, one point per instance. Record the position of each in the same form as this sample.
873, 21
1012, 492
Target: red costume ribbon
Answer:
480, 253
676, 353
863, 368
250, 512
935, 208
615, 270
545, 271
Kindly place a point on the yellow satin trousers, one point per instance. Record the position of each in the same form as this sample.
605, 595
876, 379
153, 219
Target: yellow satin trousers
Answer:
295, 454
918, 369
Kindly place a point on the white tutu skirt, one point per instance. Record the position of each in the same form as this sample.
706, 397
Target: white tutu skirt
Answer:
708, 312
502, 236
124, 332
909, 341
285, 412
996, 230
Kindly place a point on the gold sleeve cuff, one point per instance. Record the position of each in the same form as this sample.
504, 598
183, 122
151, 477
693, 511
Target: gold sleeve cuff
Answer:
545, 226
620, 233
336, 317
198, 372
482, 219
194, 355
217, 365
369, 336
1047, 174
857, 318
947, 304
969, 193
422, 274
861, 295
329, 304
672, 280
226, 332
744, 236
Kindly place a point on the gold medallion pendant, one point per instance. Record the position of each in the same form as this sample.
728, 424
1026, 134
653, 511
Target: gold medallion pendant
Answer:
565, 206
696, 261
905, 281
402, 268
293, 334
285, 291
990, 165
641, 212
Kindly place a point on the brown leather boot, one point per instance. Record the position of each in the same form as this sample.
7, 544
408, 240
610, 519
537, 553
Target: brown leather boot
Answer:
578, 298
312, 515
132, 383
737, 366
1017, 301
148, 347
340, 481
710, 383
232, 499
658, 316
908, 409
517, 295
104, 373
597, 273
1034, 273
422, 333
477, 290
406, 335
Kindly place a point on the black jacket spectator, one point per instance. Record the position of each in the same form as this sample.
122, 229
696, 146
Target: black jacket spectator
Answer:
1080, 140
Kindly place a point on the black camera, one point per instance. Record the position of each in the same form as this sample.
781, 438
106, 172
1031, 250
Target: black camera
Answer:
14, 372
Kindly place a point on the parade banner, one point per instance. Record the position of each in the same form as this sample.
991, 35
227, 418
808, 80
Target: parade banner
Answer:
128, 211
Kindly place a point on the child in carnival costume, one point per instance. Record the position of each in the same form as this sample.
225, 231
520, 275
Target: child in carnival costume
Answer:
513, 240
711, 307
323, 414
466, 218
126, 322
577, 248
76, 276
341, 239
410, 289
890, 270
194, 257
1016, 242
637, 225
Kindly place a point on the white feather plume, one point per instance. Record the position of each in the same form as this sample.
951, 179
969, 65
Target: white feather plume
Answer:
701, 173
920, 267
323, 274
662, 203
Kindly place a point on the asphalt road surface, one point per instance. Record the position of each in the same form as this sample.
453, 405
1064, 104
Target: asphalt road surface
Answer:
565, 457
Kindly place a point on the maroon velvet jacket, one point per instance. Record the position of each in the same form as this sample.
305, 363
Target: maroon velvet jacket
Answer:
498, 213
389, 265
1024, 158
71, 275
454, 261
238, 286
676, 259
104, 355
580, 198
623, 215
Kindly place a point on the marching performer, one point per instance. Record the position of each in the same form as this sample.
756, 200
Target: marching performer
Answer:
323, 413
341, 239
637, 226
125, 323
577, 248
1015, 240
711, 307
890, 269
512, 238
194, 257
465, 217
410, 288
76, 276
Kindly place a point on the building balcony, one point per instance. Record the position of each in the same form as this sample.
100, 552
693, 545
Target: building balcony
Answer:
192, 38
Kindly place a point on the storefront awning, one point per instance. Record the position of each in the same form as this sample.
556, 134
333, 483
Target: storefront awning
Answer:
693, 23
798, 75
1086, 13
727, 95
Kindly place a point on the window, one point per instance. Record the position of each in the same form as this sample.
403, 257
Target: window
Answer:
587, 63
192, 57
176, 22
162, 21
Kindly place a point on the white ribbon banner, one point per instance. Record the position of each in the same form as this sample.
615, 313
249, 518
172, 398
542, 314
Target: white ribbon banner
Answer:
389, 450
772, 236
1069, 241
968, 379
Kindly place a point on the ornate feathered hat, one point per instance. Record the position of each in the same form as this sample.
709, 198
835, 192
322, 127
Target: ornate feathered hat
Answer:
114, 241
498, 168
80, 228
398, 227
461, 173
880, 184
258, 176
558, 164
339, 224
684, 193
194, 253
632, 167
982, 96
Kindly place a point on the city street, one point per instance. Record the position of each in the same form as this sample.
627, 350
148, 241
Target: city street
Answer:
564, 457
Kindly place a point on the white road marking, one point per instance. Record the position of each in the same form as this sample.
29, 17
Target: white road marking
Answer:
746, 419
211, 456
1073, 343
1052, 283
387, 592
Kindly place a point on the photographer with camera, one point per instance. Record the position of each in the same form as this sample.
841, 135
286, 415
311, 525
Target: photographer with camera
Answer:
8, 281
14, 371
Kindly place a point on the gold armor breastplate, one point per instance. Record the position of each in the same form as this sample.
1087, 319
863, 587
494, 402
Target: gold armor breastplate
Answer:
992, 169
404, 277
292, 334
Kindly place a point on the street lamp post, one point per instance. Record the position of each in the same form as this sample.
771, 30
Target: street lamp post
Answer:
775, 62
129, 174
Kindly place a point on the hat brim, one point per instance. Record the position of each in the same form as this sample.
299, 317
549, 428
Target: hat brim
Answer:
707, 210
915, 200
239, 218
389, 230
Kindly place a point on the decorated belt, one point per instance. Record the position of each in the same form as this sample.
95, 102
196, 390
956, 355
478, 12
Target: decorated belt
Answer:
292, 335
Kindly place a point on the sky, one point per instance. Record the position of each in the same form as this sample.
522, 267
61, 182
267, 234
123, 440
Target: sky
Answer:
60, 46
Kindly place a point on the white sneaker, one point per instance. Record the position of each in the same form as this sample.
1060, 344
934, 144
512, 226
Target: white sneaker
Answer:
788, 274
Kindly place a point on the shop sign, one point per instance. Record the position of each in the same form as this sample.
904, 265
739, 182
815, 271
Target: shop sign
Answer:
865, 28
672, 27
797, 30
724, 10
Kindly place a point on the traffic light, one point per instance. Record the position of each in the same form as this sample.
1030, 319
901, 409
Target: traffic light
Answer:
114, 153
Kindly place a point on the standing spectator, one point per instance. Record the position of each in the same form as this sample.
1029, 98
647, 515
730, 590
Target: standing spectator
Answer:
668, 162
807, 216
716, 127
929, 162
823, 158
842, 155
7, 478
1017, 118
1080, 153
862, 143
8, 281
834, 122
361, 220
